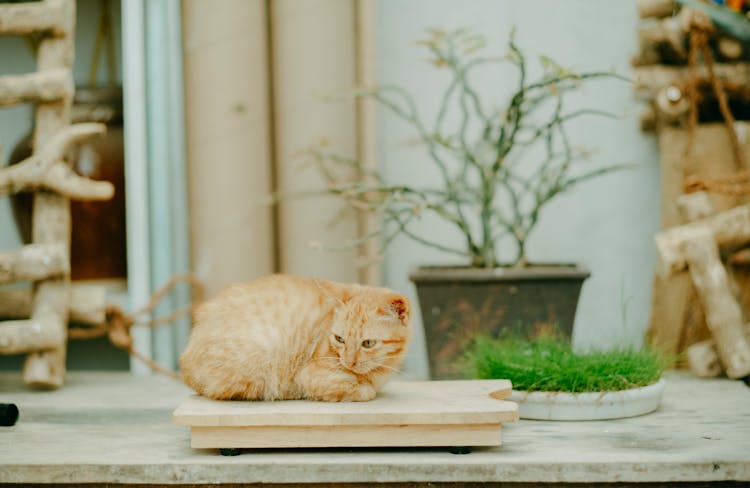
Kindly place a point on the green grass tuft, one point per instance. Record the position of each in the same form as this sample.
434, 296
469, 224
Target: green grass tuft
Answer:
549, 364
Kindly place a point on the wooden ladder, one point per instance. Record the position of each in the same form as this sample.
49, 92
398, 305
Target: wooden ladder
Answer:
41, 333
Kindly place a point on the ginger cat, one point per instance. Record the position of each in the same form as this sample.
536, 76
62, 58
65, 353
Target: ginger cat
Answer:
284, 337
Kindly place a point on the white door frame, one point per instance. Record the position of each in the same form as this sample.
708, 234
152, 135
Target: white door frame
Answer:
155, 170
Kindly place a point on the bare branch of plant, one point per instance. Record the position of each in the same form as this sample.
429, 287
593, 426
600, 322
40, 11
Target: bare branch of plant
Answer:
485, 192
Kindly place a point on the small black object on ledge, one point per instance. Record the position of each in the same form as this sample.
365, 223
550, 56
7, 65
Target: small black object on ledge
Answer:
8, 414
229, 451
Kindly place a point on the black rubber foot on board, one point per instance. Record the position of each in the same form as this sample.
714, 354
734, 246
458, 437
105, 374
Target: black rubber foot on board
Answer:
229, 451
8, 414
460, 450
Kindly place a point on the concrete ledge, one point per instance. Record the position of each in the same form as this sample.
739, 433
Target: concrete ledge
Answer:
116, 428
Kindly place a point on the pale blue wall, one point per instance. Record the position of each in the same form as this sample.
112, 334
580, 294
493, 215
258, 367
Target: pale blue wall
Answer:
606, 224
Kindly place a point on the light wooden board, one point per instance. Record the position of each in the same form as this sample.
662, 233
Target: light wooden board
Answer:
428, 402
431, 413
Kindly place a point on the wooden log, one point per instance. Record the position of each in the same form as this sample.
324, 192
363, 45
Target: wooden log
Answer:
695, 206
729, 48
723, 313
675, 313
671, 106
42, 86
88, 304
677, 318
647, 119
740, 258
47, 170
648, 80
703, 360
662, 41
730, 228
51, 213
28, 336
655, 8
46, 17
34, 262
740, 278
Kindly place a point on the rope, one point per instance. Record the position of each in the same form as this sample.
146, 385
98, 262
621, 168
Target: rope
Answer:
738, 183
118, 324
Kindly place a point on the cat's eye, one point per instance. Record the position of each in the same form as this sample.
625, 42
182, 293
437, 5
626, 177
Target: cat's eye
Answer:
368, 343
338, 338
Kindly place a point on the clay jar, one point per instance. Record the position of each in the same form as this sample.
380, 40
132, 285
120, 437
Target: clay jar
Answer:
98, 228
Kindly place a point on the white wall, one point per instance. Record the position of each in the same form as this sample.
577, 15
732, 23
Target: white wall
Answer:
606, 224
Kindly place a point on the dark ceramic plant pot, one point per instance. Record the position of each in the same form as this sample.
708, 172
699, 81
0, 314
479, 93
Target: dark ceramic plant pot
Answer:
459, 303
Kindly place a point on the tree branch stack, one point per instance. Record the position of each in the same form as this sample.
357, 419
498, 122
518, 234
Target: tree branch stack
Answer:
696, 246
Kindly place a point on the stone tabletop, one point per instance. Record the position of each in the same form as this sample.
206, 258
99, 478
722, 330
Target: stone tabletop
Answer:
117, 428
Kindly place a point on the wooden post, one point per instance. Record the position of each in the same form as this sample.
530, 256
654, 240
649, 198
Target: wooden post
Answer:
51, 214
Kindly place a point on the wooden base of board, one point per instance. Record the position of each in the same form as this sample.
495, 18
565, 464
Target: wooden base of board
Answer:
407, 414
346, 436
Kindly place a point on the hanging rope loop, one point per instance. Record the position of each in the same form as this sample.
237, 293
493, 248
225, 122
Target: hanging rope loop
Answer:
118, 324
737, 184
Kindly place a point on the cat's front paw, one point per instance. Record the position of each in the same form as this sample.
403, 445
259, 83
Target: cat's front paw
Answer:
363, 393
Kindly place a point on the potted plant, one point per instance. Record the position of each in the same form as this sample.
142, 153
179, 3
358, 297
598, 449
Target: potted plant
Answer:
489, 192
552, 382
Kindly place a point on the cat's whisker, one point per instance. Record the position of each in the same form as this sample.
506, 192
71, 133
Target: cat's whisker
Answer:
326, 358
378, 364
391, 368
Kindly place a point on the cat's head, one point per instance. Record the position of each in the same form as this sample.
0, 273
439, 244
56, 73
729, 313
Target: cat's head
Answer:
371, 329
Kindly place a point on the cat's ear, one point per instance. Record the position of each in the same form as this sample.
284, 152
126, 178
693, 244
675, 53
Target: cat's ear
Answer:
399, 305
333, 294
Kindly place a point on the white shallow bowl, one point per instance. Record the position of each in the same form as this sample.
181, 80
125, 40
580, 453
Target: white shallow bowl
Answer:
541, 405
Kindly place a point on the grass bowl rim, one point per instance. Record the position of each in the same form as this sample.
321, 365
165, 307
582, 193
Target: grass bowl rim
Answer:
582, 396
